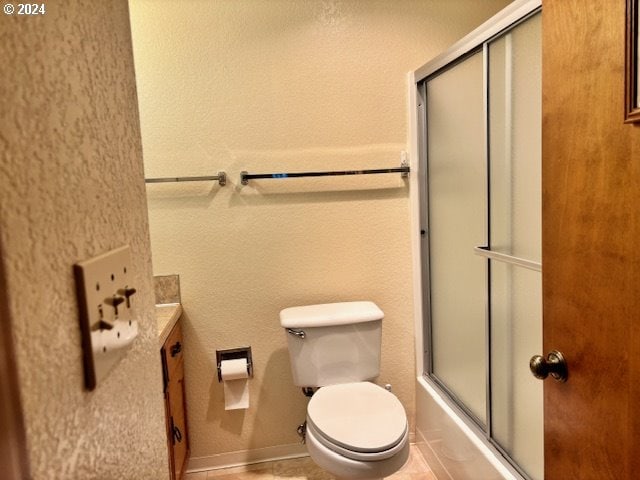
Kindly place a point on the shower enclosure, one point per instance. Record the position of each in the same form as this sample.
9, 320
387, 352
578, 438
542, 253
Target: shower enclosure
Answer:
478, 115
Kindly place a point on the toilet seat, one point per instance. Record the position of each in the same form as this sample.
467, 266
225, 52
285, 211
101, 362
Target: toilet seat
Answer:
361, 421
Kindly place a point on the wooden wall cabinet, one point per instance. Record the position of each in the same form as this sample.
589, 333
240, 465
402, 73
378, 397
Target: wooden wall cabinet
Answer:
175, 405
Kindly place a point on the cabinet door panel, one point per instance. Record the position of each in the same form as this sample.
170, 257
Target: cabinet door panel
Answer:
173, 350
178, 422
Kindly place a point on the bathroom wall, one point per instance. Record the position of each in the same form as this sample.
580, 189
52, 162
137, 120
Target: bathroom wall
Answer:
281, 86
72, 187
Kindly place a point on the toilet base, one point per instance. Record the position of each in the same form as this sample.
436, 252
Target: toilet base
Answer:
347, 469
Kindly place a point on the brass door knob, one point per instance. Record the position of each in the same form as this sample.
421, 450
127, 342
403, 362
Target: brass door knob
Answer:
554, 365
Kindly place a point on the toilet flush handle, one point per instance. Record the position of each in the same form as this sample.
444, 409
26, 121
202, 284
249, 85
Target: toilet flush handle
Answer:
297, 333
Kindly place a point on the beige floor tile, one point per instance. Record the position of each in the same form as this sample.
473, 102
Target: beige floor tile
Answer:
305, 469
415, 463
253, 474
299, 469
223, 472
196, 476
413, 476
431, 459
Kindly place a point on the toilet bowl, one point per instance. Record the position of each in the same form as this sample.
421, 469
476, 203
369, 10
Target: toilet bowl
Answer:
357, 430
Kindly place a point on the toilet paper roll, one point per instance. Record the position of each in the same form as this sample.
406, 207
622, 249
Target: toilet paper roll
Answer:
235, 376
234, 369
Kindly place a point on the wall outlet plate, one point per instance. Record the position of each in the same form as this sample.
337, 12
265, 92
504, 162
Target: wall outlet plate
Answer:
105, 304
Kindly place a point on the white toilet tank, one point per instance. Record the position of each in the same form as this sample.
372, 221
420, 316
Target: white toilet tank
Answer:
333, 343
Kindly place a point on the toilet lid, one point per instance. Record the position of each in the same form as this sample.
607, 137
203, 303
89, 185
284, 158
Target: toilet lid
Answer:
361, 417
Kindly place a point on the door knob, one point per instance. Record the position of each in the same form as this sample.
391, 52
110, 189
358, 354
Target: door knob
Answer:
554, 365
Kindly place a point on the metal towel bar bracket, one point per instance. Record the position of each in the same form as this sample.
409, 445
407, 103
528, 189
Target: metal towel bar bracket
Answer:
221, 178
245, 176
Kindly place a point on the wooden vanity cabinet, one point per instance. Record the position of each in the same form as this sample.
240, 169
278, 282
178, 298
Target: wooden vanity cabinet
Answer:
174, 401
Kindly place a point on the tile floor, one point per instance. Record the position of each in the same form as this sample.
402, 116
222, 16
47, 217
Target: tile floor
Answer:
304, 469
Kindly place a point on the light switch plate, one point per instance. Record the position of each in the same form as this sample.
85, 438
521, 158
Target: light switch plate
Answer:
106, 304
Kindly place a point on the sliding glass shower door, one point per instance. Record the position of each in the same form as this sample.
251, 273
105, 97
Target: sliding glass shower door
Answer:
515, 220
457, 222
482, 200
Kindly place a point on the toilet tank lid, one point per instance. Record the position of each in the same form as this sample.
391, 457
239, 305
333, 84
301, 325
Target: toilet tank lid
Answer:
330, 314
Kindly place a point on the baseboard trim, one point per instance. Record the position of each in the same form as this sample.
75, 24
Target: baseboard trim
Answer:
246, 457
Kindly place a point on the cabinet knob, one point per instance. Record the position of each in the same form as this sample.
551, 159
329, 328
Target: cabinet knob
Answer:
175, 349
177, 435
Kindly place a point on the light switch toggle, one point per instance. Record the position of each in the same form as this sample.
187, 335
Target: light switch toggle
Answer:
103, 324
114, 302
127, 291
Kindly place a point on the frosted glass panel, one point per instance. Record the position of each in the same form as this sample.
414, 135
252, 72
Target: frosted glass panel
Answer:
457, 222
516, 335
515, 76
515, 220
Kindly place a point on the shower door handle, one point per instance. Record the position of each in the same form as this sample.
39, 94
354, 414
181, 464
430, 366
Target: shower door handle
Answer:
554, 365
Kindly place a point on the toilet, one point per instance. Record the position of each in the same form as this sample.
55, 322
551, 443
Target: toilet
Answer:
355, 429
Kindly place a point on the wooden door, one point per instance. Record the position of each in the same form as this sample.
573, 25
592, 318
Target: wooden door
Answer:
591, 244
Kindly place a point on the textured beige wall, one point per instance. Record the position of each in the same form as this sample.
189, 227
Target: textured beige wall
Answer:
71, 188
281, 86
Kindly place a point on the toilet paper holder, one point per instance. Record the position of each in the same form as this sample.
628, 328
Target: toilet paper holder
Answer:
233, 354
